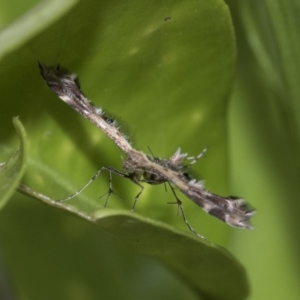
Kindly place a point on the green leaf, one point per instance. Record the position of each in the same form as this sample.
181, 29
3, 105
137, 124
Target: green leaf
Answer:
165, 73
12, 171
216, 275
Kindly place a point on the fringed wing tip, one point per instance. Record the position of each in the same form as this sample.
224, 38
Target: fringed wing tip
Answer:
242, 214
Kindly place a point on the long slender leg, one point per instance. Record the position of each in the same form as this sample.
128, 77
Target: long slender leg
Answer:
81, 189
110, 189
180, 206
133, 180
91, 180
138, 195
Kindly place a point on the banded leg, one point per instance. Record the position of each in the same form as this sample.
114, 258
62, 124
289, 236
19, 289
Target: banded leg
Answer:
110, 170
180, 206
110, 189
136, 198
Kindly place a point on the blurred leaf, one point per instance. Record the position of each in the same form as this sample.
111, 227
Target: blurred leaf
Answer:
12, 171
31, 23
265, 133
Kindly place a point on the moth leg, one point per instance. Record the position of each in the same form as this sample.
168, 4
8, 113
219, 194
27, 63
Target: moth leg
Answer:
110, 189
180, 206
136, 198
81, 189
110, 170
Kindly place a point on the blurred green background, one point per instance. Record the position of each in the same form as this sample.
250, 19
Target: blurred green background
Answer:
169, 71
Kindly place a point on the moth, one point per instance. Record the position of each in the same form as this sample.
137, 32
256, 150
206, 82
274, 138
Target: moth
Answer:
143, 168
